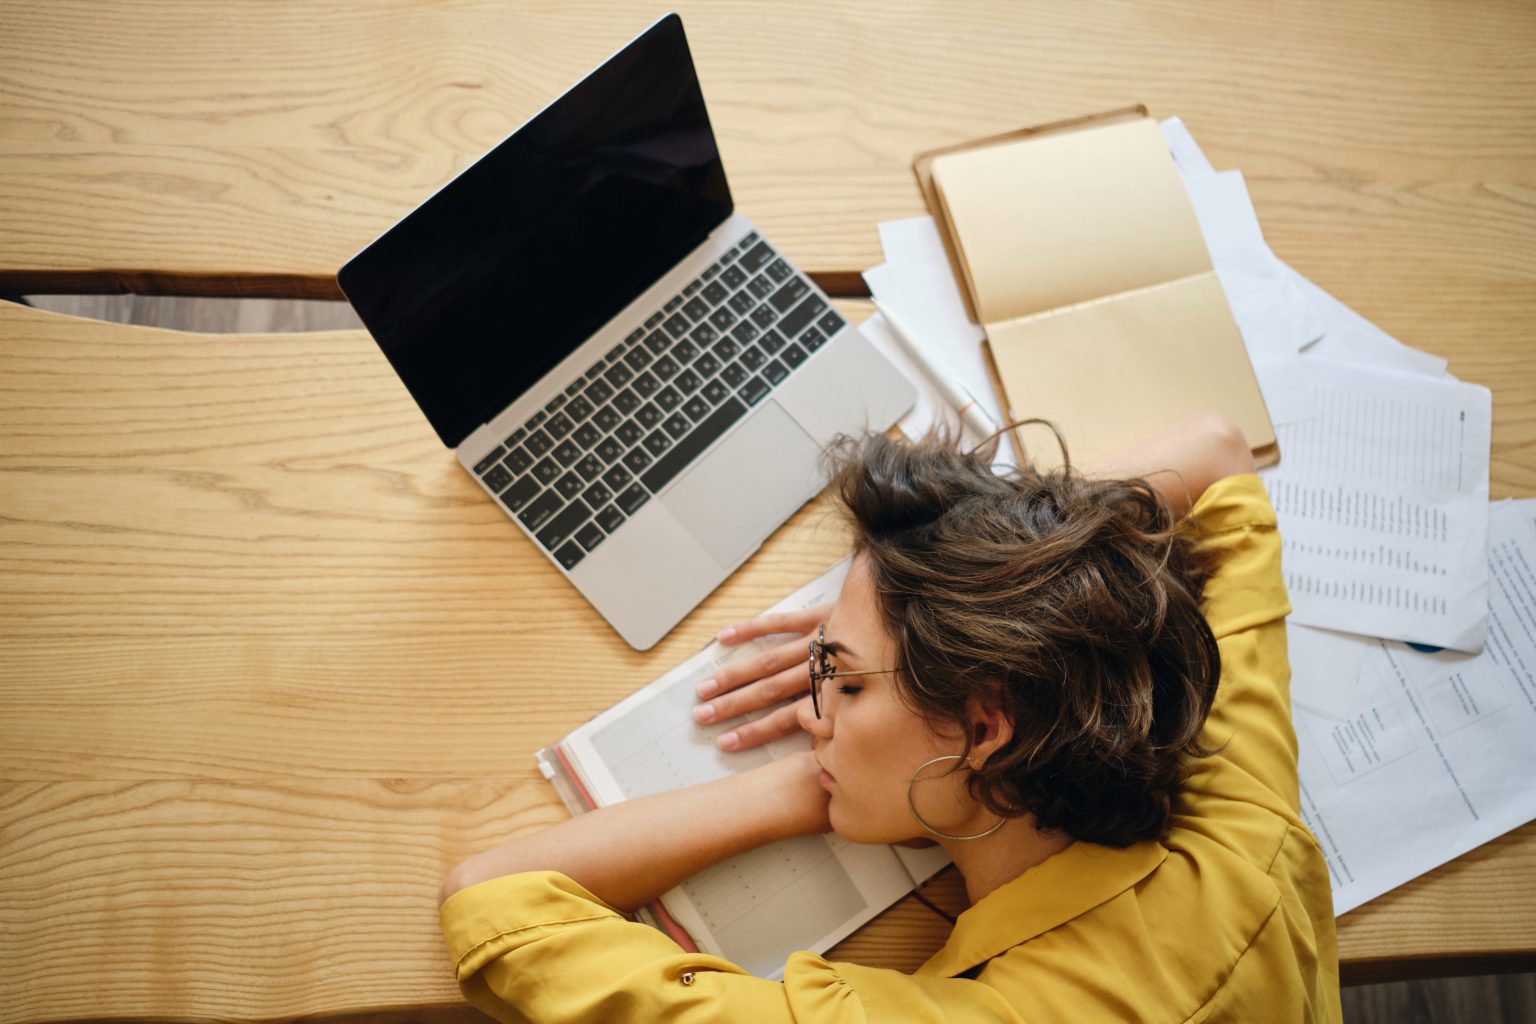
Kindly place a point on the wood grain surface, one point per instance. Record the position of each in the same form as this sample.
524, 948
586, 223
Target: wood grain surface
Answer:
270, 663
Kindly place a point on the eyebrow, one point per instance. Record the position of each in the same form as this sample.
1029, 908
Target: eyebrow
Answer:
834, 648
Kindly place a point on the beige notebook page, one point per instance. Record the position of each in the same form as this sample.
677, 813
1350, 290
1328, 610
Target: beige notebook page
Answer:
1059, 219
1110, 372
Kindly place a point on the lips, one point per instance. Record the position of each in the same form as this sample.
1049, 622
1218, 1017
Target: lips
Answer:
826, 777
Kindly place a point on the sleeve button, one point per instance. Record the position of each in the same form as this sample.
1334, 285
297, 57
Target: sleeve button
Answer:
687, 978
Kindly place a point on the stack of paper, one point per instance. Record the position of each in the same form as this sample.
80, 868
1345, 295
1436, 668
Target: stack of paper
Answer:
1382, 498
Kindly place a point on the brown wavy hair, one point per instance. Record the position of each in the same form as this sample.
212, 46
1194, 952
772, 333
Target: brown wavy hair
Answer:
1071, 604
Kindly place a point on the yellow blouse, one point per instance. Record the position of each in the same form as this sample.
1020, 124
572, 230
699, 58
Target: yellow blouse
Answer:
1229, 919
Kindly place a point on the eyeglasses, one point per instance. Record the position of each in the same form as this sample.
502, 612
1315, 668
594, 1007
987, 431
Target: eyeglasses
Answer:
821, 670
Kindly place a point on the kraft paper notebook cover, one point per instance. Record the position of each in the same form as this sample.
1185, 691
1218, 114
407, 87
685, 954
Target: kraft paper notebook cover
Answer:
1080, 255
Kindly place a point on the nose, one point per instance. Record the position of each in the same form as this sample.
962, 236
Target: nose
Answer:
820, 728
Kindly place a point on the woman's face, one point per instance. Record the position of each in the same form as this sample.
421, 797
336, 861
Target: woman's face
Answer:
869, 742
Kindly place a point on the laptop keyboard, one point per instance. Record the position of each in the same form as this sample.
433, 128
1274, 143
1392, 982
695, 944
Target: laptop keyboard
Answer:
586, 462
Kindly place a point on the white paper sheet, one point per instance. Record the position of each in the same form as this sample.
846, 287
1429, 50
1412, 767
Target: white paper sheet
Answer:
1438, 752
1325, 668
1382, 502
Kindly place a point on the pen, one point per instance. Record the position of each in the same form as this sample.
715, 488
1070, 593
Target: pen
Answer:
972, 413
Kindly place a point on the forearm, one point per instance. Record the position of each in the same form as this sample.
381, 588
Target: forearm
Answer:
627, 854
1181, 462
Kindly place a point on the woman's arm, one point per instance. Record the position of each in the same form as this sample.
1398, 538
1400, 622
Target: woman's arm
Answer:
630, 853
1182, 461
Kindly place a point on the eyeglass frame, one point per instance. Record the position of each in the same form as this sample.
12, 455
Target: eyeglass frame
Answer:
820, 675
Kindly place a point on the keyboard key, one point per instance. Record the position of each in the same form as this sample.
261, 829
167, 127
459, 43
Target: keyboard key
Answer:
657, 442
696, 309
590, 536
574, 387
690, 447
538, 442
733, 375
775, 371
734, 277
593, 373
790, 295
634, 336
755, 258
668, 398
566, 452
563, 526
754, 391
812, 339
629, 433
771, 342
715, 293
618, 375
677, 425
638, 358
696, 408
597, 495
793, 355
610, 518
693, 289
745, 332
520, 493
715, 392
616, 477
779, 270
578, 409
764, 316
687, 382
497, 478
608, 449
648, 415
653, 322
646, 385
587, 435
599, 392
704, 335
684, 351
672, 304
517, 437
558, 426
725, 349
547, 471
606, 418
795, 321
569, 555
760, 287
536, 420
830, 323
707, 365
632, 499
722, 318
636, 459
589, 467
665, 368
554, 403
752, 358
540, 510
517, 460
626, 402
710, 271
742, 303
570, 485
678, 326
490, 460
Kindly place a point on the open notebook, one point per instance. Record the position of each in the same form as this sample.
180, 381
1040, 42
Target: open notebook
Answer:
754, 910
1083, 261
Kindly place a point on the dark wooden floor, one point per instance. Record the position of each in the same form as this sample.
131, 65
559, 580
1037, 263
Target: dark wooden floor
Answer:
1499, 998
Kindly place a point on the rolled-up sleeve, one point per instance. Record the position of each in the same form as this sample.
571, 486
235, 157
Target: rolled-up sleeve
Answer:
539, 947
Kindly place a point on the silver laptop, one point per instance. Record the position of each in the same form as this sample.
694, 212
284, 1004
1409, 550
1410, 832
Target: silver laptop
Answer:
639, 378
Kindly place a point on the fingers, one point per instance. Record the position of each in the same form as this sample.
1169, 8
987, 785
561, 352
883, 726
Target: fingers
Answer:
783, 722
768, 663
775, 622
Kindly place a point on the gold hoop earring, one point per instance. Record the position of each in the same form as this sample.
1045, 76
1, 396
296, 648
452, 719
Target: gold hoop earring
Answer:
912, 806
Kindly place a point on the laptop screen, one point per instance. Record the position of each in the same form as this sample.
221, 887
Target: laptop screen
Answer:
491, 282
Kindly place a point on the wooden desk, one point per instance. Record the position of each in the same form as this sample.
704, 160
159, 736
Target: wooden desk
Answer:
265, 651
270, 664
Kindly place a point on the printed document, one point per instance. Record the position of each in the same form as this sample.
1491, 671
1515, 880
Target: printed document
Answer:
1437, 753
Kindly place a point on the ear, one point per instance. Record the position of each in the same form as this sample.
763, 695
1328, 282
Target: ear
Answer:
990, 729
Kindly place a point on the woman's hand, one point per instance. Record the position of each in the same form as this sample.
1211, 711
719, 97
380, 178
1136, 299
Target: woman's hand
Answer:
776, 673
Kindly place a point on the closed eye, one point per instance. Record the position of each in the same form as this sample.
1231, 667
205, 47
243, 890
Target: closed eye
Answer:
848, 688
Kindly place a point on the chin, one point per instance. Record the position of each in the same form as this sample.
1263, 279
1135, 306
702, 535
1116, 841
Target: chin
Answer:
856, 831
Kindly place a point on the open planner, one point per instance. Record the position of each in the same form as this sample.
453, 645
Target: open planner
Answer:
754, 910
1081, 258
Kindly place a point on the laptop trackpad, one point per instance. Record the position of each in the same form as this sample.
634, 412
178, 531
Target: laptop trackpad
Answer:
747, 486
